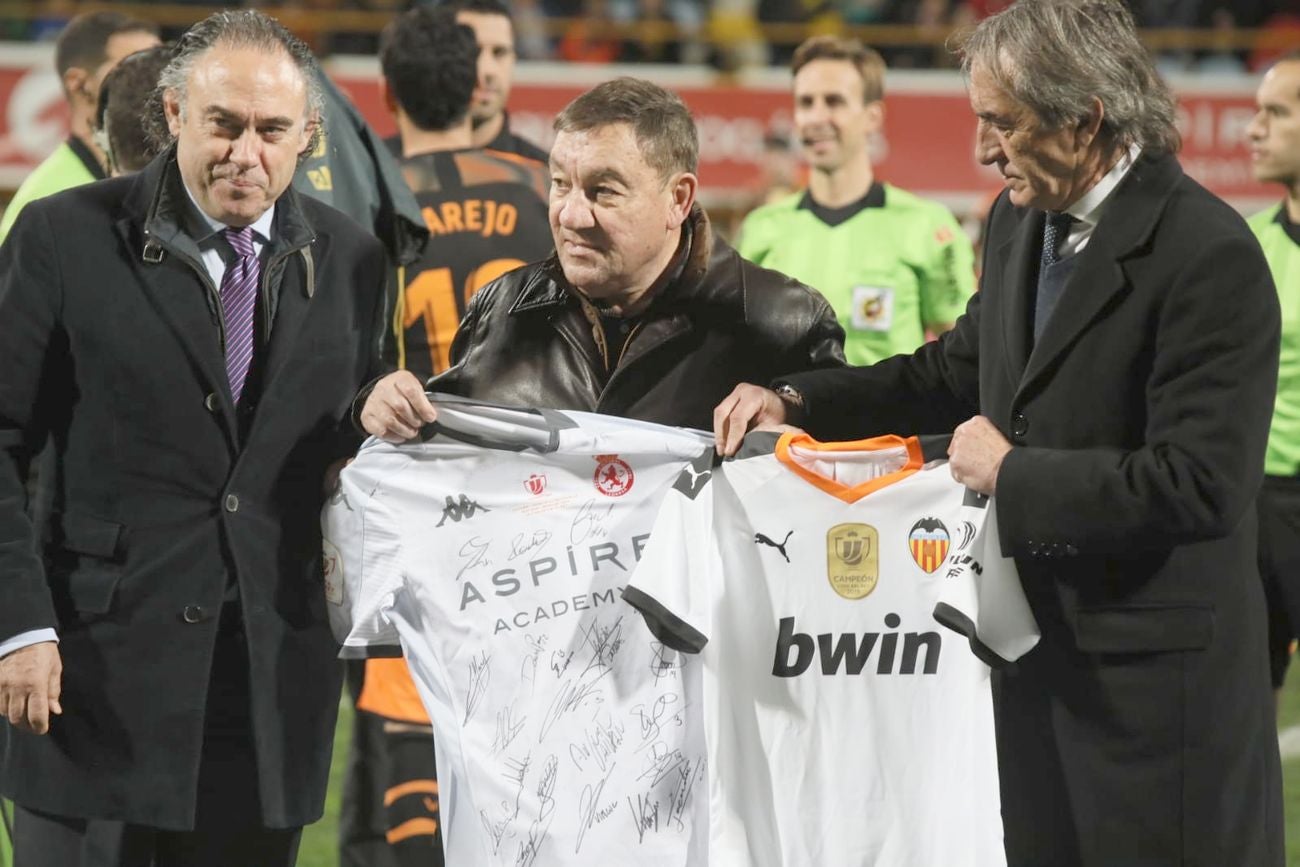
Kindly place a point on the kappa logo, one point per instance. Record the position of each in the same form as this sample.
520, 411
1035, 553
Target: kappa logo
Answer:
928, 541
459, 509
535, 484
614, 476
760, 539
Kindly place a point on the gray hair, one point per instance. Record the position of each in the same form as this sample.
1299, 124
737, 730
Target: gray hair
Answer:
245, 28
1055, 56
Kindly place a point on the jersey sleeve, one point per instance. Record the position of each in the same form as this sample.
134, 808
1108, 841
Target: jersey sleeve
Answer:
948, 279
982, 597
362, 564
671, 584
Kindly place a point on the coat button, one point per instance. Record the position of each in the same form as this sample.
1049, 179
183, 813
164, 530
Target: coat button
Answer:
232, 503
194, 614
210, 402
1019, 424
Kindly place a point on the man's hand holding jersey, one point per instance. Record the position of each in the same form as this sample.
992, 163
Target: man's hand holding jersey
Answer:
397, 408
747, 407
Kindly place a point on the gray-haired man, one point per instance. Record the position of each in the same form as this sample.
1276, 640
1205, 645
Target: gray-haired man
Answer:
1112, 385
189, 338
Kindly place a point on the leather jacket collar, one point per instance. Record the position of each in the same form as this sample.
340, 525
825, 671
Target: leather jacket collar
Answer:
699, 282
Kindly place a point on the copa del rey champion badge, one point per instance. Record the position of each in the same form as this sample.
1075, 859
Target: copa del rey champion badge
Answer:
853, 559
613, 476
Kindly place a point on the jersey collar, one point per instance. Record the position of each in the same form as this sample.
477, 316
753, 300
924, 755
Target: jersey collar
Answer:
837, 489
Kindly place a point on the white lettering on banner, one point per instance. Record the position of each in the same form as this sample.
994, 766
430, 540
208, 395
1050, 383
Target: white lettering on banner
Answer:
738, 139
35, 116
1207, 126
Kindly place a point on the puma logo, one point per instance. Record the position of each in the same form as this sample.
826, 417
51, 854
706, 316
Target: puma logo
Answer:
760, 539
691, 480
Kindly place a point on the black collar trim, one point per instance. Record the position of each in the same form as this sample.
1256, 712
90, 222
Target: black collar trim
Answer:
87, 158
1283, 219
875, 198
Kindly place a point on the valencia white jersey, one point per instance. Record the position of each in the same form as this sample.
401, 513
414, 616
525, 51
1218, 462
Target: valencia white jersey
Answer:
845, 725
495, 554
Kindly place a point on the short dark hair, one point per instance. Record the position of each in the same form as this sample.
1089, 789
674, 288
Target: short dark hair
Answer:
867, 61
663, 125
84, 42
123, 100
431, 65
482, 7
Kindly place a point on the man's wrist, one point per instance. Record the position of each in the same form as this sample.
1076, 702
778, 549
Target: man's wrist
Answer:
796, 408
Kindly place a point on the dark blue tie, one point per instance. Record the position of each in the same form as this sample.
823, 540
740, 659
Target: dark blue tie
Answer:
1053, 272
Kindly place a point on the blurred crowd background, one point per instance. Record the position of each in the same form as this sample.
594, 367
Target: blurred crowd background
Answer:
728, 35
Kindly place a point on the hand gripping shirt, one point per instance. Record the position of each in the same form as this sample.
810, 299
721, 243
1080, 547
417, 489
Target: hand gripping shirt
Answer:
845, 725
494, 553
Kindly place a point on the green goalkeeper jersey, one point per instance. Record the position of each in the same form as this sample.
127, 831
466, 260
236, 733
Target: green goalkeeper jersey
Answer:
1280, 239
891, 264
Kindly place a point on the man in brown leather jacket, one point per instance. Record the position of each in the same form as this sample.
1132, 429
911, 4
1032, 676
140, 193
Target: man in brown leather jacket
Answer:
641, 311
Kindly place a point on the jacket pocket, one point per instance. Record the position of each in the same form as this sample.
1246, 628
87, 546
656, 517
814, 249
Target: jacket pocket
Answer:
1144, 628
88, 561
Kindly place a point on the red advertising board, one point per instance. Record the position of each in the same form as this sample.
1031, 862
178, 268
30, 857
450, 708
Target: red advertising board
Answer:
927, 145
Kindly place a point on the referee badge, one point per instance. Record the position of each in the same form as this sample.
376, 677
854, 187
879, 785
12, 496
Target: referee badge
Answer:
853, 559
873, 308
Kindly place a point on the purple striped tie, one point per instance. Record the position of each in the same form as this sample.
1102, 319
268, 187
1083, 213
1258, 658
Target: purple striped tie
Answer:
238, 303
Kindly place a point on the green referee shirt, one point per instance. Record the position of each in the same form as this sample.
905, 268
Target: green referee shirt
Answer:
71, 165
1280, 239
890, 264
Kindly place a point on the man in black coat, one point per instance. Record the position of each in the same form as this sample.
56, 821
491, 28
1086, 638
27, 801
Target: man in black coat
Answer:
1112, 385
190, 339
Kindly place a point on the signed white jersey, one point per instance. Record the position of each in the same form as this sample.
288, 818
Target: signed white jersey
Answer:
845, 726
495, 553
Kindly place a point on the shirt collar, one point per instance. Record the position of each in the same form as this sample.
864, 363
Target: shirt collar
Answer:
1088, 208
204, 228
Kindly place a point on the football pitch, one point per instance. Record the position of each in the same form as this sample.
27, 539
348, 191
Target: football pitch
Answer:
320, 841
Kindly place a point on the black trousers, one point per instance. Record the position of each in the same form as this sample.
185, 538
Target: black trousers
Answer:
228, 828
1279, 567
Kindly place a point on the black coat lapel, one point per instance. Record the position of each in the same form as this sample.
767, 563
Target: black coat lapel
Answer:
1098, 280
174, 281
1017, 271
